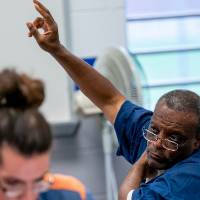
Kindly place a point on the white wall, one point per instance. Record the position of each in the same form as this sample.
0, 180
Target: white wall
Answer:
20, 51
95, 25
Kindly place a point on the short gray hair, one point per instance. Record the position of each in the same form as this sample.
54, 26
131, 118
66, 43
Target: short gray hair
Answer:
183, 100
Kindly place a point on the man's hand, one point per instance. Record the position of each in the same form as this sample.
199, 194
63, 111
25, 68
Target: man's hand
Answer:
49, 39
142, 163
139, 171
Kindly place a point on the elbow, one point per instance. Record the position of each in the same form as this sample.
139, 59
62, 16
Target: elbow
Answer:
123, 192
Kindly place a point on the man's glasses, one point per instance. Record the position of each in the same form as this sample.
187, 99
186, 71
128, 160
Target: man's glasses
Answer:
166, 143
17, 191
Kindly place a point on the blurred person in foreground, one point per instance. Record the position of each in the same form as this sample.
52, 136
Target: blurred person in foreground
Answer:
167, 139
25, 145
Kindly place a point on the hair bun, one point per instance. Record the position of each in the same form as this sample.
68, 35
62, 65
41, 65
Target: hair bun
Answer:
20, 90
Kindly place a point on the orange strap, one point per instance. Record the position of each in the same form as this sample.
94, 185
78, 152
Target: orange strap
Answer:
63, 182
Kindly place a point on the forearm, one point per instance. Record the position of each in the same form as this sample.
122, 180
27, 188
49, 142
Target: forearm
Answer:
94, 85
132, 181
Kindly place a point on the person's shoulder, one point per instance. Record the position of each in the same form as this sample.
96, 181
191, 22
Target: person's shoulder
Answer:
65, 187
129, 109
192, 160
181, 181
187, 169
128, 104
178, 182
60, 194
64, 182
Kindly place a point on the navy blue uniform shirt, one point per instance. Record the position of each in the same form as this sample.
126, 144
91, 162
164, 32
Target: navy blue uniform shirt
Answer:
180, 182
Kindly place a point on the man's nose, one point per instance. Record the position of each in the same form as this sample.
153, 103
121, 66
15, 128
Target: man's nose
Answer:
158, 143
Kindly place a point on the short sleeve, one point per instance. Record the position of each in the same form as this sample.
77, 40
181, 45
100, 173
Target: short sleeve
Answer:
128, 126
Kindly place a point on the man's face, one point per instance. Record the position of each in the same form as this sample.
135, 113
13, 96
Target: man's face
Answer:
19, 173
179, 127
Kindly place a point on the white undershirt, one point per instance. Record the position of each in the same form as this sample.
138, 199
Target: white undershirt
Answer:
129, 196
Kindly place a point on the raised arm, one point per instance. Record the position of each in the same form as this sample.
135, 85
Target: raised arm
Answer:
93, 85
